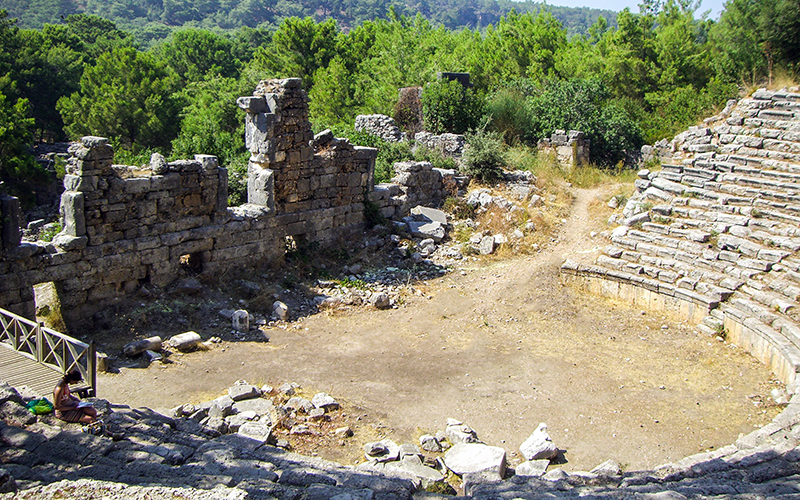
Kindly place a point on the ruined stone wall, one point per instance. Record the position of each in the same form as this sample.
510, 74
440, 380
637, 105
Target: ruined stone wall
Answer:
291, 172
571, 149
124, 227
415, 183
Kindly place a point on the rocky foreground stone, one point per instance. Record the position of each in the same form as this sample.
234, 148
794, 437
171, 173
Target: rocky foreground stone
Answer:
217, 452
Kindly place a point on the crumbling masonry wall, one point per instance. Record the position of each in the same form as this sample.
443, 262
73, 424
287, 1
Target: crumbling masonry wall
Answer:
571, 148
125, 227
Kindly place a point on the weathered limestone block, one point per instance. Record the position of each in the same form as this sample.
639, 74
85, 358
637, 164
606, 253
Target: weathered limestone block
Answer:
253, 104
139, 346
158, 164
48, 307
186, 341
68, 243
78, 183
209, 162
260, 186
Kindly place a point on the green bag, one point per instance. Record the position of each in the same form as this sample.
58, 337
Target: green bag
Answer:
39, 406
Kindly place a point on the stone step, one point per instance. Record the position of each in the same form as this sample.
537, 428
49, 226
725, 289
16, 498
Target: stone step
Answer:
785, 287
758, 153
784, 337
640, 280
765, 296
756, 179
780, 166
775, 96
752, 308
671, 270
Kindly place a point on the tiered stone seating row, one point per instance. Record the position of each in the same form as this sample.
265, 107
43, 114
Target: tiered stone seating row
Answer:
719, 227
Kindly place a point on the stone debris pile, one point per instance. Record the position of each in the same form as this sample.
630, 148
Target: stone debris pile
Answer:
260, 413
381, 126
385, 127
449, 145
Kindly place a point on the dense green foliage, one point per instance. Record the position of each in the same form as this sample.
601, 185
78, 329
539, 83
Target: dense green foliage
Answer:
129, 96
483, 159
448, 107
18, 172
163, 75
152, 19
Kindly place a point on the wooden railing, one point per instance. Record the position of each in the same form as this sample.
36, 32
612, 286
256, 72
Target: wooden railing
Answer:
55, 350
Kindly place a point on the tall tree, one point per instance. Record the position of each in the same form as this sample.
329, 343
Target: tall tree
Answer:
210, 123
752, 37
127, 96
194, 54
19, 173
299, 48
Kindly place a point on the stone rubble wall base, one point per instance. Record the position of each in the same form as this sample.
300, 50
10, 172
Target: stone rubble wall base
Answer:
570, 148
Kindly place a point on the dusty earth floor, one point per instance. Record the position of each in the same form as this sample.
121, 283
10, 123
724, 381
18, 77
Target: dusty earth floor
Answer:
502, 346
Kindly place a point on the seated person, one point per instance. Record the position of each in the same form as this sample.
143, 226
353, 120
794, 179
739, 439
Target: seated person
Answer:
66, 405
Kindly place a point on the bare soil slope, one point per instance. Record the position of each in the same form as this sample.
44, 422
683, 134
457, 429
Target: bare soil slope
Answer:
501, 345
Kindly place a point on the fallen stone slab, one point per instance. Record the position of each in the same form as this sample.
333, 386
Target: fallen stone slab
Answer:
430, 443
433, 230
241, 392
532, 468
467, 458
225, 403
459, 432
413, 465
607, 468
429, 214
257, 431
259, 406
382, 451
487, 245
539, 445
324, 401
556, 475
139, 346
280, 310
380, 300
240, 320
299, 404
186, 341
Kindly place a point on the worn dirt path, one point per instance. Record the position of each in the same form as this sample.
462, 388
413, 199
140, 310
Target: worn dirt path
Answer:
502, 346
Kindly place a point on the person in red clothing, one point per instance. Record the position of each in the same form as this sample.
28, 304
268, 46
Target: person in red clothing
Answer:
68, 407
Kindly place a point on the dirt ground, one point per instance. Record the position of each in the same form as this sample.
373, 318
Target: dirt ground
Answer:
501, 345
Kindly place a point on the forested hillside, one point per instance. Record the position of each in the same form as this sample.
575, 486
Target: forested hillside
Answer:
154, 19
645, 79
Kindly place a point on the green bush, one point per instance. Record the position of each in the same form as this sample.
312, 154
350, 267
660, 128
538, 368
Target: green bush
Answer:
237, 180
48, 234
448, 107
484, 158
676, 109
510, 112
585, 105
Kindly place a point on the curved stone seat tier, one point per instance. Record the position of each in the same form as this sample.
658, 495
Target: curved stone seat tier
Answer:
714, 237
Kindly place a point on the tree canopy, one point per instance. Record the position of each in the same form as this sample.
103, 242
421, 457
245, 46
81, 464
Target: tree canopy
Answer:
164, 74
